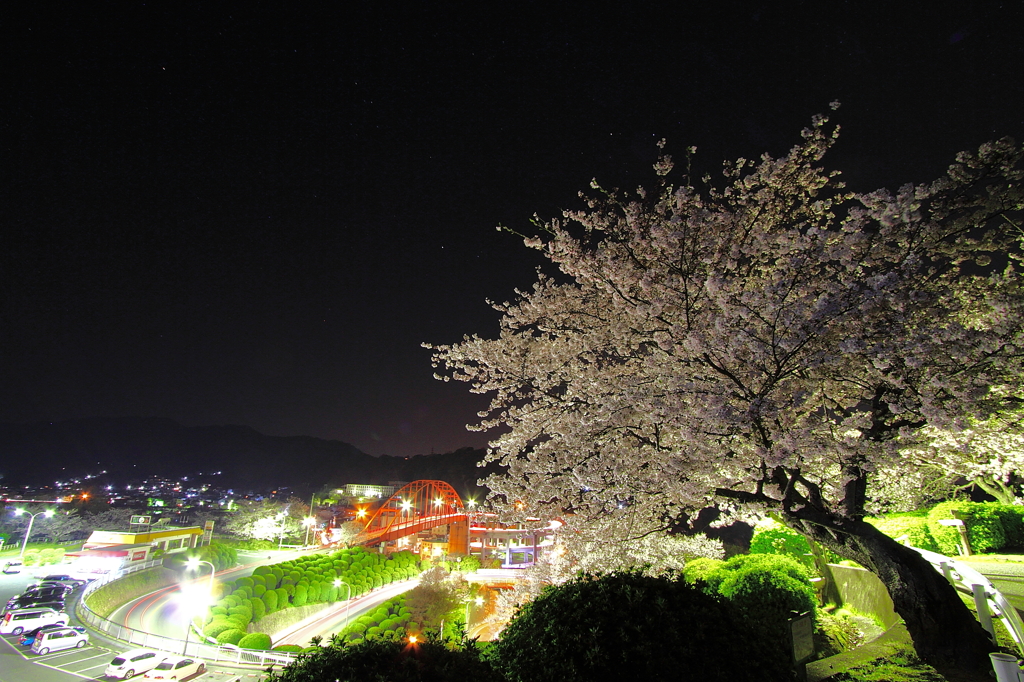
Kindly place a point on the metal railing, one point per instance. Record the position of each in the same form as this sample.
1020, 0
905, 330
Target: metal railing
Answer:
185, 647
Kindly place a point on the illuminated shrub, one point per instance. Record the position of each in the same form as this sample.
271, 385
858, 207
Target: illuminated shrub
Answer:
217, 626
634, 627
255, 640
914, 526
270, 600
231, 636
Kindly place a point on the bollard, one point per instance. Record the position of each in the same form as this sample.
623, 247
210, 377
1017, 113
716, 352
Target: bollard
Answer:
1006, 667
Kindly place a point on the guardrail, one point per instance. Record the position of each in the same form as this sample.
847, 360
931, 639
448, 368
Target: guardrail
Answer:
185, 647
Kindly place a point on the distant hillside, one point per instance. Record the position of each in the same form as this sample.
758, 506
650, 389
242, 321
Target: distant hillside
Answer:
131, 448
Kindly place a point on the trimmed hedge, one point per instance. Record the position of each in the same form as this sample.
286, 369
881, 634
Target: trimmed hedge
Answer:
230, 637
255, 640
914, 526
779, 539
983, 522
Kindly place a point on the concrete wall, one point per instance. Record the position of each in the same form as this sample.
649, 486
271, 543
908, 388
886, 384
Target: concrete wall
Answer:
861, 589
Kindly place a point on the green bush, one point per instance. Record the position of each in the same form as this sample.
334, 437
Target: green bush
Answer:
299, 598
289, 648
1012, 517
255, 640
779, 539
915, 527
631, 626
698, 569
259, 609
982, 520
270, 600
230, 637
218, 626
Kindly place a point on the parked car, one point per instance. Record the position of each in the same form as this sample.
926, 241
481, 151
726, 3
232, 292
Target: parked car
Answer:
23, 602
56, 593
63, 578
51, 590
131, 663
12, 567
17, 622
49, 584
61, 638
176, 668
29, 638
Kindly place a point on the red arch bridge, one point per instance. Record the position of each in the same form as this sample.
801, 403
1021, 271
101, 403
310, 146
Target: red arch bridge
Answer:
418, 506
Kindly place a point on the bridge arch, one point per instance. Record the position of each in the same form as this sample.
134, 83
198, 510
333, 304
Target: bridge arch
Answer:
417, 506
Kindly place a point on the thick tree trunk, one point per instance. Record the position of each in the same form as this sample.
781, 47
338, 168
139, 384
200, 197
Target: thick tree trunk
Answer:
944, 630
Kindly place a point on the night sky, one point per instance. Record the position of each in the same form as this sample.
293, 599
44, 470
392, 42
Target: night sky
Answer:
255, 216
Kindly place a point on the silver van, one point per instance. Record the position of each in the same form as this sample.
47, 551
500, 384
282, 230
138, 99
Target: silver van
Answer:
17, 622
61, 638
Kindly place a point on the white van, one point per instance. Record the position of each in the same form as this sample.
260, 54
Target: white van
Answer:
61, 638
21, 620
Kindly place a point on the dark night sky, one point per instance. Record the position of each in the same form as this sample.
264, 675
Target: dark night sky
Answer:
255, 216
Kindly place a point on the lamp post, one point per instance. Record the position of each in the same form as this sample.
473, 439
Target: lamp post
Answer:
338, 582
28, 531
479, 601
193, 565
308, 523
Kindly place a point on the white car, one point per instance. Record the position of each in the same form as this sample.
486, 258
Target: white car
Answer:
61, 638
21, 620
131, 663
176, 668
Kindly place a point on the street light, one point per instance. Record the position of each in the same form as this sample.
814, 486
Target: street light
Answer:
308, 523
338, 582
192, 603
479, 601
28, 531
193, 564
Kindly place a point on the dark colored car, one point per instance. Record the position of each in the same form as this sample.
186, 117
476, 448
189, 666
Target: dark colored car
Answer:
24, 602
67, 587
52, 591
27, 638
64, 579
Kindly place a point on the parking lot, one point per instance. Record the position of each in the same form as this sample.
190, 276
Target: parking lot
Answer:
89, 662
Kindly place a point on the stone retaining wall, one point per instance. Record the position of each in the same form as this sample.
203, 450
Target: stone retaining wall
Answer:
861, 589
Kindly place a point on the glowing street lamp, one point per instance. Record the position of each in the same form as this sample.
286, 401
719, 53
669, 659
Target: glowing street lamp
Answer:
479, 601
406, 506
308, 523
193, 565
28, 531
194, 600
338, 582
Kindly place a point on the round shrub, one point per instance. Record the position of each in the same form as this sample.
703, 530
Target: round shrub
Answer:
289, 648
255, 640
373, 632
218, 626
230, 637
630, 626
299, 598
698, 569
270, 600
779, 539
259, 609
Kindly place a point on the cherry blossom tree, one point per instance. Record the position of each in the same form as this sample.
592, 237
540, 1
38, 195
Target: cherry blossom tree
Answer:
764, 343
987, 453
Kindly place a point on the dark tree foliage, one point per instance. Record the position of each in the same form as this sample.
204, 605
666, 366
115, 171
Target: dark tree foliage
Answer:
387, 660
629, 626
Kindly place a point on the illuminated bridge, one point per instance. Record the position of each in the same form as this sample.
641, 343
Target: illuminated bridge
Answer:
417, 506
